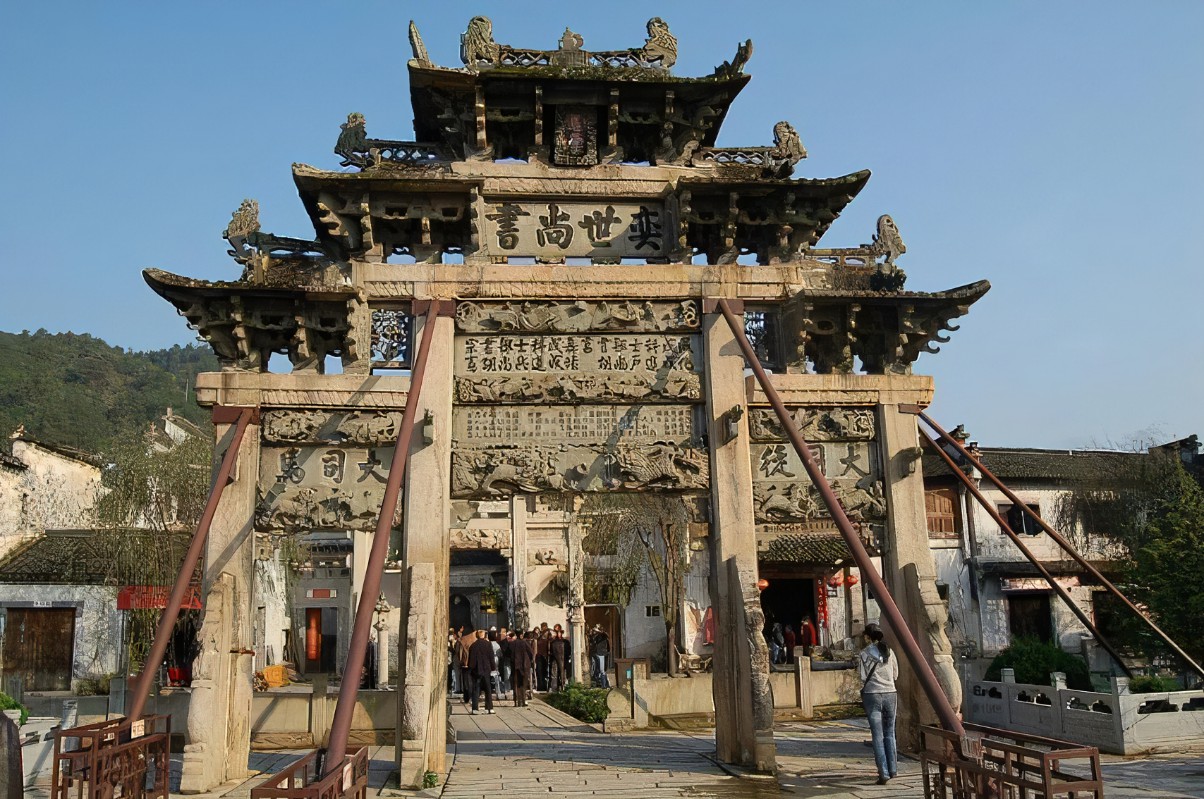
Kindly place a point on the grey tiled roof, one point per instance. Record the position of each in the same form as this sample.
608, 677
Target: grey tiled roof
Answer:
95, 557
1057, 465
817, 548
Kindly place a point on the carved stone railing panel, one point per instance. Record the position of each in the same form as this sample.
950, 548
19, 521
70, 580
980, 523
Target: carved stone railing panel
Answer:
392, 336
733, 156
763, 329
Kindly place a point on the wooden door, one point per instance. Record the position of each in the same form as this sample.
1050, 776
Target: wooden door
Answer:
39, 646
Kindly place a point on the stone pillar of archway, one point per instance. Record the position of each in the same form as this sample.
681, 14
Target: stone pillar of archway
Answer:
907, 565
426, 547
743, 704
219, 712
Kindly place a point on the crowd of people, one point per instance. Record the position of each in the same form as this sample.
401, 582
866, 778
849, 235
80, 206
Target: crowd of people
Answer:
782, 639
503, 663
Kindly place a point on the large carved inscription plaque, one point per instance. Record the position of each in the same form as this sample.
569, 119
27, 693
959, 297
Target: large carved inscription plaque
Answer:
564, 229
626, 367
324, 470
843, 444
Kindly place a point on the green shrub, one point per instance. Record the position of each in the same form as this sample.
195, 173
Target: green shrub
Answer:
430, 780
1142, 684
8, 703
580, 702
1034, 660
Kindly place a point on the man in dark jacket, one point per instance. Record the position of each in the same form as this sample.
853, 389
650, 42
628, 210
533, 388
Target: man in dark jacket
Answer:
558, 652
481, 664
522, 655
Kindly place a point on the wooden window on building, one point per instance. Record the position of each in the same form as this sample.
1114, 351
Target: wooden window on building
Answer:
941, 507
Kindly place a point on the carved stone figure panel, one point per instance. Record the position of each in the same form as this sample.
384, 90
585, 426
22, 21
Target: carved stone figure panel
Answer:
597, 425
500, 470
818, 423
552, 229
322, 427
321, 487
798, 501
581, 316
478, 538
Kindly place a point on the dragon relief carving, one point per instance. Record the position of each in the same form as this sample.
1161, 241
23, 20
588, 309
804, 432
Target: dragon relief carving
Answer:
576, 317
534, 468
816, 424
321, 427
663, 464
863, 500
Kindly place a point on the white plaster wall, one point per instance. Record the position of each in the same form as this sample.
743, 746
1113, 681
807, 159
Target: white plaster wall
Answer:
98, 631
271, 593
55, 493
994, 545
643, 636
698, 599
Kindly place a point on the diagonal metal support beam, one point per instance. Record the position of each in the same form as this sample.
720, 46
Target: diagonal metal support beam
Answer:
1061, 541
907, 642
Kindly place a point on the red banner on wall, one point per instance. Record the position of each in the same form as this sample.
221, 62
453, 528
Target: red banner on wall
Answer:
142, 597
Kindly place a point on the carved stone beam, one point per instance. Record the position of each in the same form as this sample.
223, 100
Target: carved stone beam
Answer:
482, 143
538, 115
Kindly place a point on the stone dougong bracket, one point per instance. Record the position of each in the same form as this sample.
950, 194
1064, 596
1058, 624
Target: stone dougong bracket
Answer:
479, 51
359, 151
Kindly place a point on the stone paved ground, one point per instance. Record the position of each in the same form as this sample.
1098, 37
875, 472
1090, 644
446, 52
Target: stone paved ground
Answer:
538, 751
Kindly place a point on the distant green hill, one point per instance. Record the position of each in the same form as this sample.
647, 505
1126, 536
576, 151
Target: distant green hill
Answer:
76, 390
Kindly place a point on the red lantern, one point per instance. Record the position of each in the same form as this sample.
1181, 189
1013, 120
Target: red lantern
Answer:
836, 580
762, 584
852, 580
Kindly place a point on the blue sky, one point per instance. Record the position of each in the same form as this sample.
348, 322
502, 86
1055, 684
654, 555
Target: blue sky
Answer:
1052, 148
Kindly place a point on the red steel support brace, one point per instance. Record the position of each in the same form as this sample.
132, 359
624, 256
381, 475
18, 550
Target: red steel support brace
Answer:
907, 642
1061, 541
168, 618
340, 726
1027, 553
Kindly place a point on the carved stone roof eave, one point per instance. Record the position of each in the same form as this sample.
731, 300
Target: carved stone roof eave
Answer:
962, 295
748, 179
173, 287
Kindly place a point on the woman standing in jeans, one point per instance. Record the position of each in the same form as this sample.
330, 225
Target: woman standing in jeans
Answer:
879, 669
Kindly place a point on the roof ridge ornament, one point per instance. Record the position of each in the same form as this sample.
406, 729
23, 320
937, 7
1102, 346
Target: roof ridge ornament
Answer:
418, 46
735, 67
660, 49
477, 46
